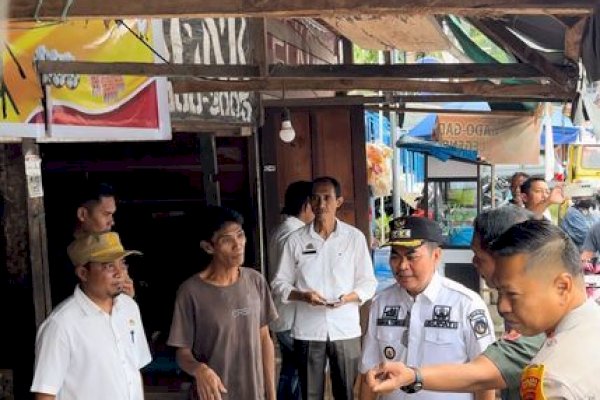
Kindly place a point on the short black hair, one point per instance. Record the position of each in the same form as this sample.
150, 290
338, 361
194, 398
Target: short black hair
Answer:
526, 186
490, 224
518, 174
91, 193
331, 181
297, 195
542, 242
214, 218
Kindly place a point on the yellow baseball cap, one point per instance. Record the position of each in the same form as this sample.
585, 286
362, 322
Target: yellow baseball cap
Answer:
102, 247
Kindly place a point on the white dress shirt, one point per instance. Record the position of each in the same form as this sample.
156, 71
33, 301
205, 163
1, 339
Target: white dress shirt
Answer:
277, 240
446, 323
571, 357
333, 267
84, 353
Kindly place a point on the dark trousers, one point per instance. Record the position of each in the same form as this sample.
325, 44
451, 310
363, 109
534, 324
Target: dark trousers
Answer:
343, 356
288, 387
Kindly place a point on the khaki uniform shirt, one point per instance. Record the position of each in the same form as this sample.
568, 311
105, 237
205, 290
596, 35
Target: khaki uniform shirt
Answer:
570, 359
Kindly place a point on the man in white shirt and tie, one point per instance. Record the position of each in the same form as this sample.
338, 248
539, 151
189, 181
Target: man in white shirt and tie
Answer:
297, 212
326, 269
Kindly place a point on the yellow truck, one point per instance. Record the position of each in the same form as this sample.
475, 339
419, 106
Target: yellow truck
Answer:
583, 163
582, 174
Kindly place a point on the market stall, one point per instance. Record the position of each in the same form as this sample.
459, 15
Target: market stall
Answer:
453, 196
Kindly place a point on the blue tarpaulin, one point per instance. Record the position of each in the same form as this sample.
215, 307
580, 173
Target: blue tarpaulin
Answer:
372, 121
437, 150
426, 126
563, 130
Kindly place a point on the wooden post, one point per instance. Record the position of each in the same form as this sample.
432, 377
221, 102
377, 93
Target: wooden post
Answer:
24, 288
208, 160
347, 58
257, 28
36, 221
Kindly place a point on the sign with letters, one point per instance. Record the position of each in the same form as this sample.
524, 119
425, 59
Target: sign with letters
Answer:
499, 139
209, 41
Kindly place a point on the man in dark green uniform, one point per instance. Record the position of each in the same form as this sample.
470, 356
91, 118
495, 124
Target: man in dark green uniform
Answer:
501, 364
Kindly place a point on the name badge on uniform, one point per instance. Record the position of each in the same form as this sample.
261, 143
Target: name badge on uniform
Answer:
309, 249
391, 317
441, 318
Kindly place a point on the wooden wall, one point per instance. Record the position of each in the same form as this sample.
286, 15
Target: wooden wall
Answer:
329, 141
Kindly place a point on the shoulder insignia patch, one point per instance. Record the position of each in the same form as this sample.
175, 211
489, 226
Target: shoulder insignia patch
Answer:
532, 383
309, 249
479, 323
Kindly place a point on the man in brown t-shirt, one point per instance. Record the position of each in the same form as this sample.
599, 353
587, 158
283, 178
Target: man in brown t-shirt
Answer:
220, 322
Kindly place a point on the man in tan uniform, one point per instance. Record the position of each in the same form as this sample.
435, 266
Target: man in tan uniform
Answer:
541, 289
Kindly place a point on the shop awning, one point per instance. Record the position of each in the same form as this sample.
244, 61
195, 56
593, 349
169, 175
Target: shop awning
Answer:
437, 150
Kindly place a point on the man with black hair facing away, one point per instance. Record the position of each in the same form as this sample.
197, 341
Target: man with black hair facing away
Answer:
541, 290
297, 212
220, 324
501, 364
424, 318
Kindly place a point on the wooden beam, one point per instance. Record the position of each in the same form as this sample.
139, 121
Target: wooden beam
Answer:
309, 44
302, 72
118, 9
257, 28
374, 100
147, 69
446, 111
573, 39
498, 32
347, 51
414, 86
218, 128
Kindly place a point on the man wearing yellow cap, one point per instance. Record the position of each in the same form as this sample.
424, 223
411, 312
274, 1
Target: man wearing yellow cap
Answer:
424, 318
93, 344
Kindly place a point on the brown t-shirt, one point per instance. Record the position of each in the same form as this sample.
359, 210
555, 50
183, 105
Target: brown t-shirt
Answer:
221, 325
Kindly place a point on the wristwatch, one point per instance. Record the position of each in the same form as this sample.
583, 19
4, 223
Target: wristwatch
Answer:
417, 385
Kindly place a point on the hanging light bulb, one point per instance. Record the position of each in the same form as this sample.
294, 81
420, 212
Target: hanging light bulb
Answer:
286, 133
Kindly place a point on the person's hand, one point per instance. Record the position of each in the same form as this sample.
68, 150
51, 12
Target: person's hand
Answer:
518, 198
389, 376
208, 383
343, 299
127, 286
557, 195
314, 298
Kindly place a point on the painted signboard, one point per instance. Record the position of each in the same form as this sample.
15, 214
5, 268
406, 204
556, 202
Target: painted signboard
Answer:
209, 41
72, 107
499, 139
